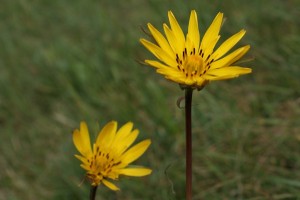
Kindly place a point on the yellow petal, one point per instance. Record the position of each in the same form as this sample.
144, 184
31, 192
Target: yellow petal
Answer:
176, 79
209, 49
193, 30
212, 32
177, 31
165, 70
189, 45
159, 53
86, 167
82, 159
124, 131
135, 152
228, 44
81, 139
201, 81
124, 143
189, 81
173, 41
139, 171
170, 72
174, 74
227, 72
161, 40
110, 185
231, 58
78, 141
159, 65
107, 134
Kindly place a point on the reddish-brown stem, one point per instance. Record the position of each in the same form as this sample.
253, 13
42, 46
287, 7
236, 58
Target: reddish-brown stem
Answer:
93, 192
188, 130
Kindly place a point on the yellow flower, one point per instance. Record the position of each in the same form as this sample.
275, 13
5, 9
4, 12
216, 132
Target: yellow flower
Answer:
189, 62
110, 155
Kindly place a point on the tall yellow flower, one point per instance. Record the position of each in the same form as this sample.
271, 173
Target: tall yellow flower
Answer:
189, 62
110, 155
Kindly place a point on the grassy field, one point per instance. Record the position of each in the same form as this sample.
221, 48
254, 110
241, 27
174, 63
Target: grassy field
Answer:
66, 61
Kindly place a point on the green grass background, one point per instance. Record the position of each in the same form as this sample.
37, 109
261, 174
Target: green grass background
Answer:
64, 61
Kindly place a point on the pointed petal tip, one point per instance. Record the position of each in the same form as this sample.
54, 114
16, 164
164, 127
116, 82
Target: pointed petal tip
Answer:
129, 122
194, 13
170, 12
150, 26
112, 121
242, 32
110, 185
220, 13
247, 47
144, 41
83, 124
165, 26
147, 62
147, 142
112, 124
171, 16
137, 131
248, 70
138, 171
75, 132
219, 16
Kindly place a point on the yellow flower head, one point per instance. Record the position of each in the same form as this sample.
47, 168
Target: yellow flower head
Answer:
110, 155
191, 62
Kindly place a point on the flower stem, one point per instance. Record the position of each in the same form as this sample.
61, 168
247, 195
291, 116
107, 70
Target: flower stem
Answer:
188, 129
93, 192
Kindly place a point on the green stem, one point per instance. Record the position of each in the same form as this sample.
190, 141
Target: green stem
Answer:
188, 129
93, 192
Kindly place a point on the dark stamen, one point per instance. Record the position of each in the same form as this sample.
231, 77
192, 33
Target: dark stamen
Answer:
207, 57
115, 164
200, 52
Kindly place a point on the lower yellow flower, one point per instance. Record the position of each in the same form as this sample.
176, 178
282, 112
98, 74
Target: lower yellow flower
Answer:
110, 155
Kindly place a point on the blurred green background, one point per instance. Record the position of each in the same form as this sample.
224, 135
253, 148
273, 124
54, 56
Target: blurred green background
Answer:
64, 61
